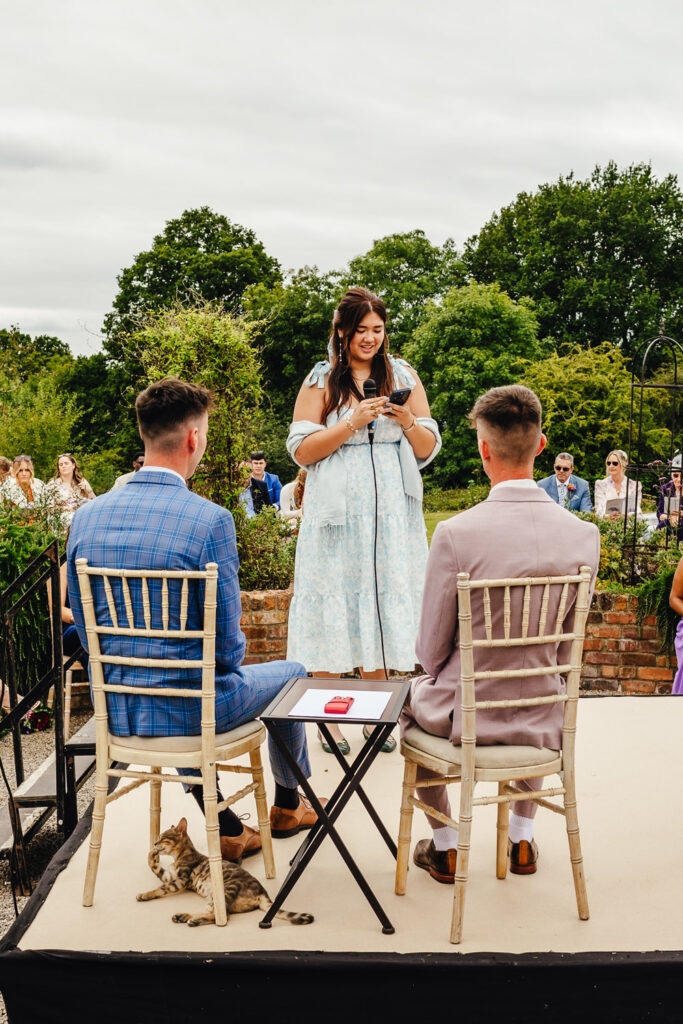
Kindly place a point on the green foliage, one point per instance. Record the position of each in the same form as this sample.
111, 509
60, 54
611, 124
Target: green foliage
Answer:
266, 551
37, 419
106, 421
292, 325
101, 468
206, 345
200, 253
475, 339
24, 533
454, 499
653, 599
406, 271
268, 432
23, 357
586, 399
602, 258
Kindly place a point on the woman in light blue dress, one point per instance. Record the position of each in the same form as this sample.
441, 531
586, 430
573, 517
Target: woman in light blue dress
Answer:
333, 622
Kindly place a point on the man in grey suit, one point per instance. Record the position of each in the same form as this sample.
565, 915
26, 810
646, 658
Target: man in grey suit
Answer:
517, 531
565, 488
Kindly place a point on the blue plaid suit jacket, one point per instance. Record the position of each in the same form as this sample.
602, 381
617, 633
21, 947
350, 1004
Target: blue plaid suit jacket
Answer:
155, 522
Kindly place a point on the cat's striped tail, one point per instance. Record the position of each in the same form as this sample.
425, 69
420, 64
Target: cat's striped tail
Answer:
286, 915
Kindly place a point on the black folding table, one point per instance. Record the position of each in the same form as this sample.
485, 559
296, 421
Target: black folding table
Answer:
354, 773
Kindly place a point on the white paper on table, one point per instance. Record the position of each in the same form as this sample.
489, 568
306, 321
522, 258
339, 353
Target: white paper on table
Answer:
369, 704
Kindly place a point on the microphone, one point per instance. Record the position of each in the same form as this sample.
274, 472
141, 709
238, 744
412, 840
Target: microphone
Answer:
370, 391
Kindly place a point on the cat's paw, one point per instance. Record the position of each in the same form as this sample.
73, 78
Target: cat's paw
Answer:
143, 896
181, 919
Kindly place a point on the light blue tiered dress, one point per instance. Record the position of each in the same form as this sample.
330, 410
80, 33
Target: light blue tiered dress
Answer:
333, 625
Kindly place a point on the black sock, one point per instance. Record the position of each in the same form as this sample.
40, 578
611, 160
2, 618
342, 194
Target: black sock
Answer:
228, 822
286, 798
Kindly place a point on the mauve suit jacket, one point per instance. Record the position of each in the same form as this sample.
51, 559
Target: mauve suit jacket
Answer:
517, 531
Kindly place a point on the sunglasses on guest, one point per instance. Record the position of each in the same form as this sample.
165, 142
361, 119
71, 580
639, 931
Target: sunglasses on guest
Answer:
612, 463
564, 469
22, 458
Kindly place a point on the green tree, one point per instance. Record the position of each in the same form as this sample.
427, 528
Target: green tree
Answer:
205, 344
23, 357
586, 399
97, 386
406, 271
200, 253
37, 419
475, 339
602, 258
292, 323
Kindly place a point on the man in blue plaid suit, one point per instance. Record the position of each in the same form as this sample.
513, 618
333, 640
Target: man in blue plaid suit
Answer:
155, 522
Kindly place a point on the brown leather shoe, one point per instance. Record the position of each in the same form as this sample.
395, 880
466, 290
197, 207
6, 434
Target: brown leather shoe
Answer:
439, 863
523, 857
285, 822
235, 847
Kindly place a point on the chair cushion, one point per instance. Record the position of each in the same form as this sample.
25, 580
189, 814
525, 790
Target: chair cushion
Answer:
185, 744
496, 755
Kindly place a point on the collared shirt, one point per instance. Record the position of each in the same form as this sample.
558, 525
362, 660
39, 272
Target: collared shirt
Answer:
161, 469
522, 482
562, 491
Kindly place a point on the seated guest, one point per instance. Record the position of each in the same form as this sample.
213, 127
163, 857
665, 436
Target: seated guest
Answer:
156, 522
544, 542
615, 485
138, 463
21, 487
69, 487
676, 603
255, 497
292, 497
258, 472
669, 501
566, 489
5, 467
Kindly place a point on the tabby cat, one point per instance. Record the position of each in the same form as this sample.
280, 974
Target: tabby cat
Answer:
190, 870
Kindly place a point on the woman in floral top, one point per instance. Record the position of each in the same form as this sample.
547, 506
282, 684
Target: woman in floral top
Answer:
69, 487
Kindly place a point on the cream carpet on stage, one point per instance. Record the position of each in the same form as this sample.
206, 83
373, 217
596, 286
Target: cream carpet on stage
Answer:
630, 766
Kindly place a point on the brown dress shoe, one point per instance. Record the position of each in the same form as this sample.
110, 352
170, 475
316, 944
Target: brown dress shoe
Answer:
285, 822
235, 847
523, 857
439, 863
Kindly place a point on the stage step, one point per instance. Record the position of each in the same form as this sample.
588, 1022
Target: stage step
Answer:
36, 798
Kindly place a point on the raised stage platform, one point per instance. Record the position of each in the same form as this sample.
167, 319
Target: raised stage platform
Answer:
525, 952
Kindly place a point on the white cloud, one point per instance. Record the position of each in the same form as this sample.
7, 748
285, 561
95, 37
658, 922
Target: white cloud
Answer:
319, 126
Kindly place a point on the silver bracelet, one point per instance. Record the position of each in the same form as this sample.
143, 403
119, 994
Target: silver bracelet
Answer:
406, 430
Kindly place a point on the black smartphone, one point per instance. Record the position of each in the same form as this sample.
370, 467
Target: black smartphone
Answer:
400, 397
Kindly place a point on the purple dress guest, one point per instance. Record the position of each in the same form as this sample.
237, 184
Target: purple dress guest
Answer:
677, 687
676, 602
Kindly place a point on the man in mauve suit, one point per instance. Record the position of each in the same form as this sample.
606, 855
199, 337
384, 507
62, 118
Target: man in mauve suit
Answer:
155, 522
518, 531
568, 490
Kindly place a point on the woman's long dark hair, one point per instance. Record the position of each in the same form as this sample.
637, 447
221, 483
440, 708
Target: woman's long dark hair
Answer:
78, 476
356, 304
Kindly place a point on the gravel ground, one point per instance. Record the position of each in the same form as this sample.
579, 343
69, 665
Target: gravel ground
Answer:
36, 748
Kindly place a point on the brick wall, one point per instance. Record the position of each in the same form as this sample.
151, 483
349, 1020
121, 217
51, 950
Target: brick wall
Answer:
264, 624
619, 656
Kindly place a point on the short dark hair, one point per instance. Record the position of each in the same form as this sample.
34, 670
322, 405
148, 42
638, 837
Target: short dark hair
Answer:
166, 405
258, 455
513, 416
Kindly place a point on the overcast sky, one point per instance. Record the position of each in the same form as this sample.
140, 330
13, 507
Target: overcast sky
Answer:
321, 125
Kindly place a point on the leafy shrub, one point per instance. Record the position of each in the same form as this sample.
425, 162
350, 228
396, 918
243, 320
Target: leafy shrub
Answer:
24, 533
266, 551
455, 499
653, 598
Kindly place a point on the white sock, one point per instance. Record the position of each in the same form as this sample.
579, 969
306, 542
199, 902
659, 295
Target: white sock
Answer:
520, 828
445, 838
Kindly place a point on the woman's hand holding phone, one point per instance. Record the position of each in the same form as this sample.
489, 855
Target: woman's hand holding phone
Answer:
397, 408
